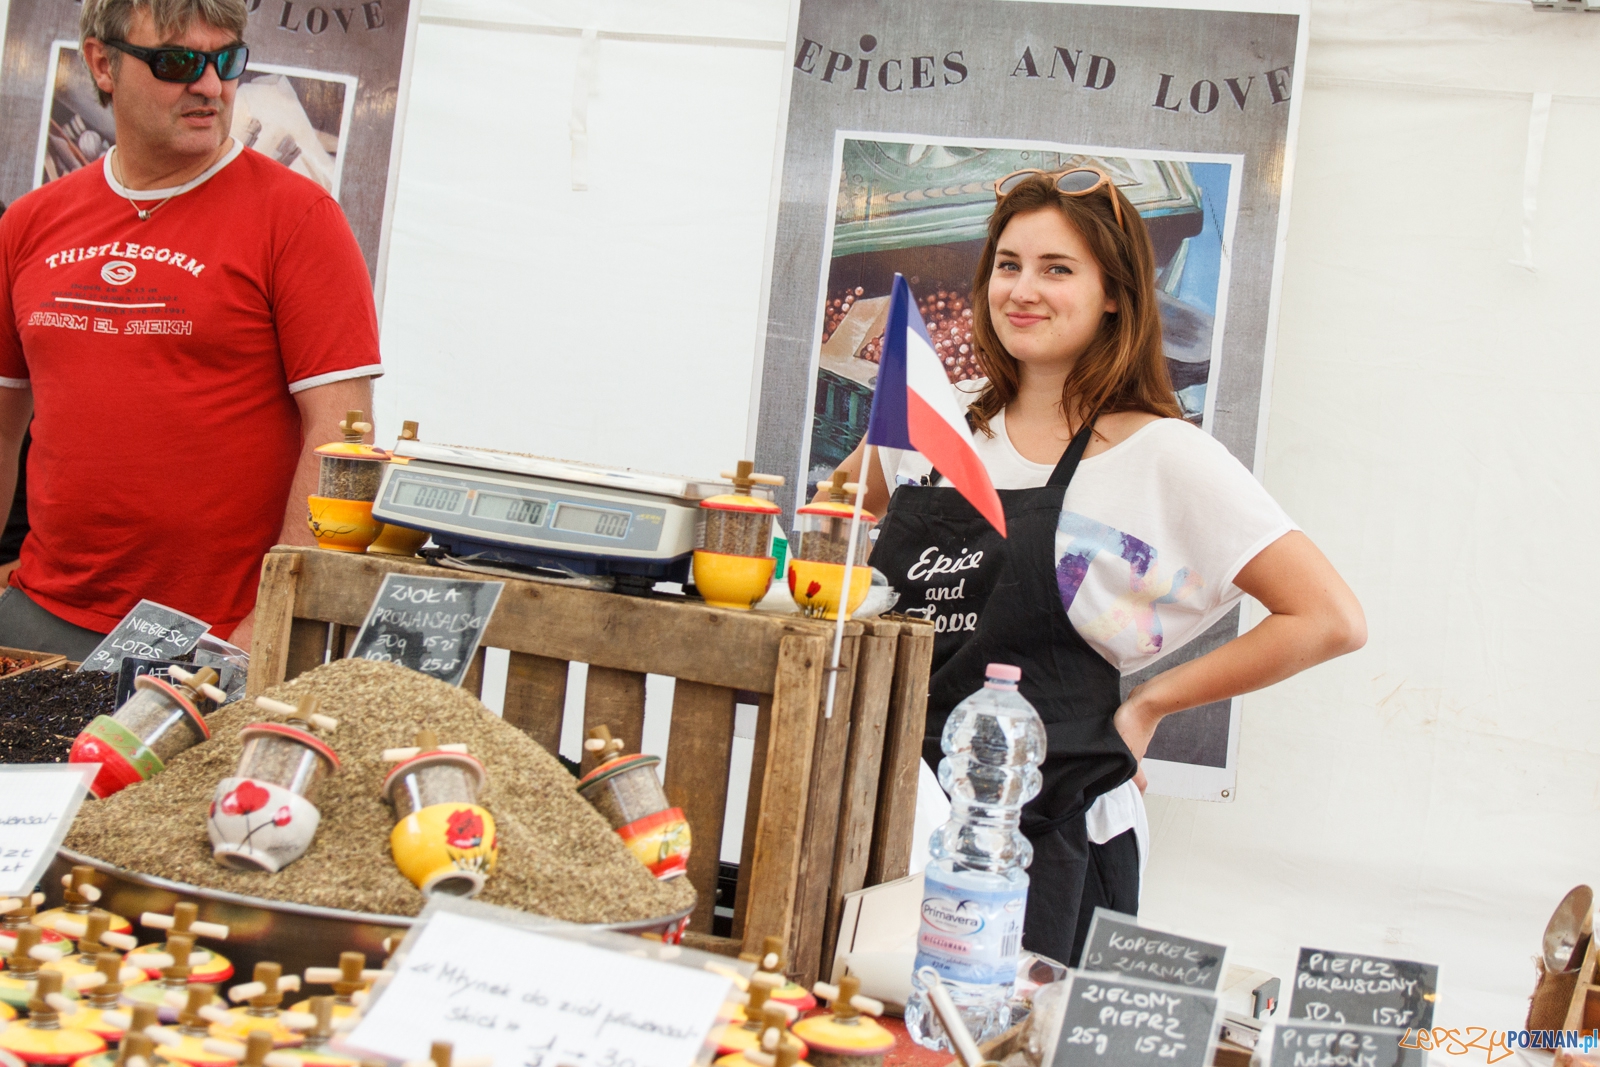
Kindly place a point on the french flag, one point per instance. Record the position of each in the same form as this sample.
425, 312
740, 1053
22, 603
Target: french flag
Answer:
914, 408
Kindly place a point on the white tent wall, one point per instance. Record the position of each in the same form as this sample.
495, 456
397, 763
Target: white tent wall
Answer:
1432, 416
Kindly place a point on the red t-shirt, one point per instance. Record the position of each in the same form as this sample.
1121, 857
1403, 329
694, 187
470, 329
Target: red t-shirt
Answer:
163, 357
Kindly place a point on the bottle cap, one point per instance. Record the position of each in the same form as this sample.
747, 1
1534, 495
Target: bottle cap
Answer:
1003, 672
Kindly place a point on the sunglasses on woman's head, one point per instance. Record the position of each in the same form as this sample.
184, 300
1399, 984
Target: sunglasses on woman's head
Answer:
1079, 181
188, 65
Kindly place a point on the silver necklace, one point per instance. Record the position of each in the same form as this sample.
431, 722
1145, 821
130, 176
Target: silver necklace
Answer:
144, 213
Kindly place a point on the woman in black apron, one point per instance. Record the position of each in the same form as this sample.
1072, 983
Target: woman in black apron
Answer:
1102, 340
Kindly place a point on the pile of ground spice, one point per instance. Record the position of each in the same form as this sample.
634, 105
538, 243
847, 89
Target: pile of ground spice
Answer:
558, 856
42, 712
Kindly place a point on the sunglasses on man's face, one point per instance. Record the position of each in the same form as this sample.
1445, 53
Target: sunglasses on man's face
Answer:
188, 65
1079, 181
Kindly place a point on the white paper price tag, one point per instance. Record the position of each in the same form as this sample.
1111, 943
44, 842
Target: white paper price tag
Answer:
528, 998
37, 805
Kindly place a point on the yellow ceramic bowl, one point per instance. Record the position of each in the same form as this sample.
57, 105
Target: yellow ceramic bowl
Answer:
342, 525
815, 586
398, 541
732, 581
446, 848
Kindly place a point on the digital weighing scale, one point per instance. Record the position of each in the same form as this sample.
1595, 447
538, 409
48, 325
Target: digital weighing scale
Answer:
528, 511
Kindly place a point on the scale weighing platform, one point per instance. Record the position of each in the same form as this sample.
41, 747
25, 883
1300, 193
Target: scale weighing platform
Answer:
527, 511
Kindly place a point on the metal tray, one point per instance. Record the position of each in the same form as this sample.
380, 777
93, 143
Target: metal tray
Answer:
294, 935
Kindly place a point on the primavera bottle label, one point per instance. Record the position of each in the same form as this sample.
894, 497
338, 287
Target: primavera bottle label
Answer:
971, 935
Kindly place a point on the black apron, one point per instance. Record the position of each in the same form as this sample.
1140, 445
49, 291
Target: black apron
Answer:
996, 600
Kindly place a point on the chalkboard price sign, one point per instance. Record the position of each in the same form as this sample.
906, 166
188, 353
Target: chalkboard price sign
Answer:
1345, 987
1119, 945
1303, 1044
1119, 1022
150, 631
432, 625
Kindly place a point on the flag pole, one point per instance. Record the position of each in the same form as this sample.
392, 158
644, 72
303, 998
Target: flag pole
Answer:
844, 585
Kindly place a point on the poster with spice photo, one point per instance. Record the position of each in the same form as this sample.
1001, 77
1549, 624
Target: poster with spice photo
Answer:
301, 118
921, 207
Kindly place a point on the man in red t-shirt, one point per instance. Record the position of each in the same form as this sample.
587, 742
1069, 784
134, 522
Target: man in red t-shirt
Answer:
185, 320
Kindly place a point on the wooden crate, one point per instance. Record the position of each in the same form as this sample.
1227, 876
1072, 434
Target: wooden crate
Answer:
831, 800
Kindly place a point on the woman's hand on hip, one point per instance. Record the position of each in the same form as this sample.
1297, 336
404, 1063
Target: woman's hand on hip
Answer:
1136, 723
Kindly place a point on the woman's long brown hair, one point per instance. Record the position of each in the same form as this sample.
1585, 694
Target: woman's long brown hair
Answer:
1124, 367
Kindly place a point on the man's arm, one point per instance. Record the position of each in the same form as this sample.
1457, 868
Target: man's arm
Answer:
16, 409
322, 408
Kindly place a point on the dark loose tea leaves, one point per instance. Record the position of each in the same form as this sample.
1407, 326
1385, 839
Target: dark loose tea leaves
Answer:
41, 712
558, 856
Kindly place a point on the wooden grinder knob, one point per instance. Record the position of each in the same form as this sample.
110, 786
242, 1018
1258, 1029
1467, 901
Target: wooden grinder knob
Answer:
81, 876
21, 963
42, 1015
267, 974
136, 1043
109, 964
440, 1053
256, 1049
353, 428
200, 995
351, 964
180, 947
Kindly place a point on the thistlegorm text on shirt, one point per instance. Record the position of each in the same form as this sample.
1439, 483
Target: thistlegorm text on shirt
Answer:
130, 251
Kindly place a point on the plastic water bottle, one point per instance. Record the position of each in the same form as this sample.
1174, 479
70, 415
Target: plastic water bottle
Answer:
975, 889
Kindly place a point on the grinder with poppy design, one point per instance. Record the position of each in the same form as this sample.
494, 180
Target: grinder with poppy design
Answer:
442, 840
264, 817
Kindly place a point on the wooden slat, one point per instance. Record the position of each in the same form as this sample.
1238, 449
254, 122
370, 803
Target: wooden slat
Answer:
699, 750
657, 635
472, 681
775, 866
822, 820
275, 611
897, 785
722, 946
869, 712
752, 815
536, 697
614, 699
308, 647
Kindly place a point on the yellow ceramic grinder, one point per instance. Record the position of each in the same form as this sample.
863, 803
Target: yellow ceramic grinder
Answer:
733, 561
848, 1036
821, 545
25, 960
442, 840
133, 1048
399, 540
347, 979
79, 896
770, 962
102, 997
627, 792
340, 515
774, 1040
264, 995
205, 965
42, 1039
176, 973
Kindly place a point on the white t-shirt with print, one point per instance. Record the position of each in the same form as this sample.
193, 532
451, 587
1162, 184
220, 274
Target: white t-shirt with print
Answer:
1152, 533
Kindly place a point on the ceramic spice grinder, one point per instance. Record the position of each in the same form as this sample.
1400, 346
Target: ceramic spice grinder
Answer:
195, 1018
25, 961
42, 1039
770, 966
821, 545
79, 896
340, 515
264, 995
159, 721
396, 540
315, 1049
175, 977
347, 979
132, 1040
94, 937
626, 790
264, 817
17, 912
443, 839
103, 998
759, 1015
848, 1037
733, 561
204, 965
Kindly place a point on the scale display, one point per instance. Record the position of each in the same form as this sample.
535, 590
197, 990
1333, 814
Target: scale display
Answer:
592, 521
542, 513
516, 509
417, 494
